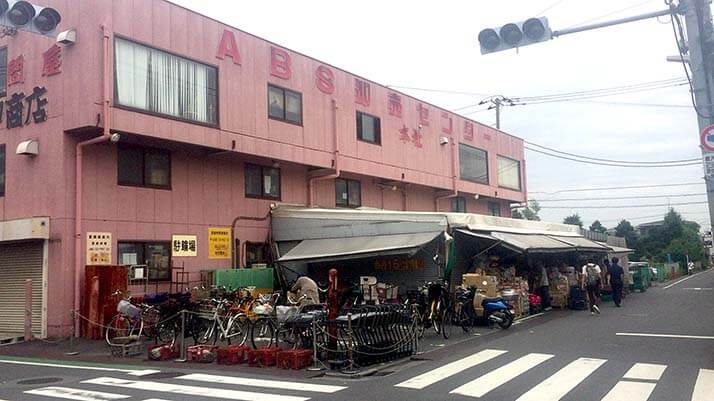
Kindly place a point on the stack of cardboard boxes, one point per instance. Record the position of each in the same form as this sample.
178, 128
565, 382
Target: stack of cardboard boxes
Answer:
559, 289
486, 287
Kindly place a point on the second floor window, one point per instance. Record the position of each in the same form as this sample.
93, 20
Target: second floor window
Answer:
474, 164
368, 128
458, 204
348, 193
284, 104
144, 167
262, 182
158, 82
509, 173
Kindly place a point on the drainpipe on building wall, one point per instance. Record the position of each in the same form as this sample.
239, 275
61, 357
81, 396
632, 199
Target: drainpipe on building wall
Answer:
453, 192
335, 161
106, 90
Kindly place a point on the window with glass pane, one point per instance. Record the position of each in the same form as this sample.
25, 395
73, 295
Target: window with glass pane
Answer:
158, 82
284, 104
155, 256
348, 193
494, 208
458, 204
262, 182
144, 167
3, 71
256, 252
2, 170
368, 128
473, 164
509, 173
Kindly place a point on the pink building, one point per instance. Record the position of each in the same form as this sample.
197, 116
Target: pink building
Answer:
175, 124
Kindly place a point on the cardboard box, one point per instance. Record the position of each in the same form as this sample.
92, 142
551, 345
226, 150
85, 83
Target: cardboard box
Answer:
559, 300
486, 284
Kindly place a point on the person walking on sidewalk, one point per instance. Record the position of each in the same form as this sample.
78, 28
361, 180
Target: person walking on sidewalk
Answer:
590, 278
615, 274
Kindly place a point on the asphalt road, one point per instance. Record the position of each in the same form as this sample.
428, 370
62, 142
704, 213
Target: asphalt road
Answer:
658, 346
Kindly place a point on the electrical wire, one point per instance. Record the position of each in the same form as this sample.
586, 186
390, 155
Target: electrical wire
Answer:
624, 206
621, 197
523, 101
550, 7
611, 89
608, 14
649, 217
698, 160
617, 188
610, 164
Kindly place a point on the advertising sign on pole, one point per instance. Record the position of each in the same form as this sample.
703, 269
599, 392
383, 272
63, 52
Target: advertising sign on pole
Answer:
99, 249
219, 243
184, 246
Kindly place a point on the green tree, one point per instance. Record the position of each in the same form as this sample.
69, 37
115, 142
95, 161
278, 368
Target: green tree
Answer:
529, 212
574, 220
597, 227
624, 229
675, 238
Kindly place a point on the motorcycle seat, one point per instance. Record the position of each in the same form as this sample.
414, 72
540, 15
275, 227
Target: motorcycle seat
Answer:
489, 300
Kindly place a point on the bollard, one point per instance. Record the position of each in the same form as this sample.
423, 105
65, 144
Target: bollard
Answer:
28, 309
315, 360
182, 336
72, 352
349, 341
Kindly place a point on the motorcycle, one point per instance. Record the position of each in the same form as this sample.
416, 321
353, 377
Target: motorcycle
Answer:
498, 311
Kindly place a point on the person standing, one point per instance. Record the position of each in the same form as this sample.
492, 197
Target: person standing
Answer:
544, 288
590, 278
616, 274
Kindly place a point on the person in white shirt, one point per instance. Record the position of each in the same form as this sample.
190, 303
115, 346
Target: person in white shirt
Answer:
590, 279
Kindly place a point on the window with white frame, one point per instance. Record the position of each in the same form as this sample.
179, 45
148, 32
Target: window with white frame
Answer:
158, 82
509, 173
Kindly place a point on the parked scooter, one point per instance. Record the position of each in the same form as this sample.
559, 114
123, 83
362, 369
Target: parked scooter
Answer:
497, 310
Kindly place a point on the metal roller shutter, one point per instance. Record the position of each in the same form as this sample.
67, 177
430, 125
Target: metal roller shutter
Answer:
18, 262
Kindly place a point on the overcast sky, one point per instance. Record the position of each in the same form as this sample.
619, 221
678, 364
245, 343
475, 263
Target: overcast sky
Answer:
433, 45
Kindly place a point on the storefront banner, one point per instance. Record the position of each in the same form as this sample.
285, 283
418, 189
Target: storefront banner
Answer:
219, 243
99, 248
184, 246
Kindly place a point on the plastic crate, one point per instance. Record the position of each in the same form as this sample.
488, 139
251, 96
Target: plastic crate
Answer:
201, 353
129, 349
231, 355
294, 359
163, 352
264, 356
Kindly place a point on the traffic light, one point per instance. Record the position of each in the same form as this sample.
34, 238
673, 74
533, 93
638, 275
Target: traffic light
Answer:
22, 15
514, 35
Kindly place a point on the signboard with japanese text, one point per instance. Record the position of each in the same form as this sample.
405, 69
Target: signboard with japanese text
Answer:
219, 243
99, 249
399, 264
184, 246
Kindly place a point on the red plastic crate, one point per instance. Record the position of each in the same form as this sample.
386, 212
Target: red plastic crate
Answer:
231, 355
163, 352
294, 359
264, 356
201, 353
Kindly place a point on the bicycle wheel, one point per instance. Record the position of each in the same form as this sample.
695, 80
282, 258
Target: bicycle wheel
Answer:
151, 318
167, 331
238, 330
436, 316
202, 329
447, 323
418, 323
121, 326
262, 332
464, 318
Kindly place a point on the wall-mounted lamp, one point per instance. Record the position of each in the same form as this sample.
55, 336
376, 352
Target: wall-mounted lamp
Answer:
115, 137
476, 196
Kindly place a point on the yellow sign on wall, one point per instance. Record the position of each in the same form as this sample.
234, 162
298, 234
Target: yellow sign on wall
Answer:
219, 243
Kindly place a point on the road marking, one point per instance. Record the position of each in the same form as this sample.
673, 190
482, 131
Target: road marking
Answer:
645, 371
243, 381
684, 279
194, 391
563, 381
698, 288
704, 387
133, 372
448, 370
75, 394
490, 381
685, 336
630, 391
527, 318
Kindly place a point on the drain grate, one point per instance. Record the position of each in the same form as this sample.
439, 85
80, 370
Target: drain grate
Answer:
40, 380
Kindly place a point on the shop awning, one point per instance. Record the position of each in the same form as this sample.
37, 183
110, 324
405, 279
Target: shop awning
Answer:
533, 243
358, 247
582, 243
477, 235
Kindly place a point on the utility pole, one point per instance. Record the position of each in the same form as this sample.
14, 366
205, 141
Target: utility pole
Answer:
497, 105
697, 17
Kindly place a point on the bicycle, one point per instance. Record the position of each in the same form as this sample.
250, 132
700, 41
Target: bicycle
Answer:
127, 324
224, 326
464, 313
271, 330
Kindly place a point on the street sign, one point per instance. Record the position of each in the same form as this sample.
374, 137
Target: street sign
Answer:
707, 138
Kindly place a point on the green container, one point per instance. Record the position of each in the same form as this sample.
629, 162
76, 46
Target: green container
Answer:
240, 278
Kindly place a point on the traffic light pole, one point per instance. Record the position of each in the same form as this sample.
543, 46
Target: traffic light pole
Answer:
697, 14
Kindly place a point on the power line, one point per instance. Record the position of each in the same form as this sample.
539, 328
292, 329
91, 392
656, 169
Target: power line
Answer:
523, 102
698, 160
641, 85
550, 7
621, 197
616, 188
609, 14
624, 206
610, 164
649, 217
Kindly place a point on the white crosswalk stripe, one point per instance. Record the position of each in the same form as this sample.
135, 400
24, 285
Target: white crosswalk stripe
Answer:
243, 381
630, 391
500, 376
645, 371
704, 387
563, 381
448, 370
68, 393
